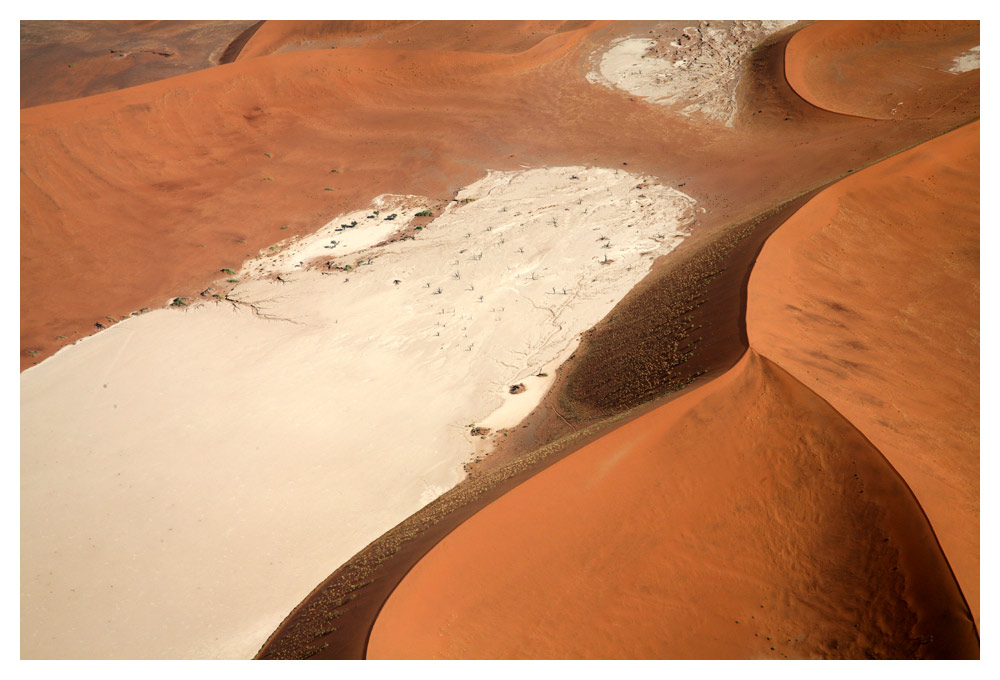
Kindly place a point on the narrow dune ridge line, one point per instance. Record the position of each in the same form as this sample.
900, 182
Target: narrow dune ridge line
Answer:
714, 567
315, 396
883, 322
911, 69
831, 650
916, 610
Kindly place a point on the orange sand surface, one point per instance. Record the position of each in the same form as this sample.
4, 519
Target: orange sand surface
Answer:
881, 69
869, 295
745, 519
479, 36
775, 512
132, 197
764, 515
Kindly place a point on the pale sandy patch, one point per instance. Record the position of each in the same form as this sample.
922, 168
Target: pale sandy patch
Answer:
966, 62
189, 475
696, 69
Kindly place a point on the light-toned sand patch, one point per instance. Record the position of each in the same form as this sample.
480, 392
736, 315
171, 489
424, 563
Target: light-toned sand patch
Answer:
190, 474
966, 62
696, 68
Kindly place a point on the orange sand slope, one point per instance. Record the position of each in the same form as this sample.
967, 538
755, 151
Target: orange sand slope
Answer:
745, 519
135, 196
869, 296
904, 66
130, 198
752, 500
276, 37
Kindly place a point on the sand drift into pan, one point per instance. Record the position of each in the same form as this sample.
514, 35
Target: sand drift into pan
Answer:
189, 475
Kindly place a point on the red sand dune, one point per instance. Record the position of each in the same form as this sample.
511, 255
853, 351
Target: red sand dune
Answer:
477, 36
881, 69
132, 197
751, 499
745, 519
869, 295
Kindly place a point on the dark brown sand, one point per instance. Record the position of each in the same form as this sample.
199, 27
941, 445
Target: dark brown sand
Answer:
62, 60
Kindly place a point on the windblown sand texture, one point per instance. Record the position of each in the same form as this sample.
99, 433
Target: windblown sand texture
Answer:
882, 322
548, 339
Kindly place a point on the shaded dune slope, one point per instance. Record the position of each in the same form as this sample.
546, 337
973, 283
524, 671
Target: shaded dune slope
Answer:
751, 499
132, 197
63, 60
234, 48
746, 519
869, 295
707, 274
903, 65
856, 293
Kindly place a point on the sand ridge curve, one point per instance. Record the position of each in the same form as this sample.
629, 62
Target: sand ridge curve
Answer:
883, 322
758, 68
695, 527
132, 197
908, 67
552, 58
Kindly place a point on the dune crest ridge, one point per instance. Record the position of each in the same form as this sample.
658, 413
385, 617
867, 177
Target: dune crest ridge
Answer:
745, 519
907, 67
869, 296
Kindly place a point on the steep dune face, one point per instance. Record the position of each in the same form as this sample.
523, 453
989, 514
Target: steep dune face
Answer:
869, 295
63, 60
132, 197
745, 519
907, 68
